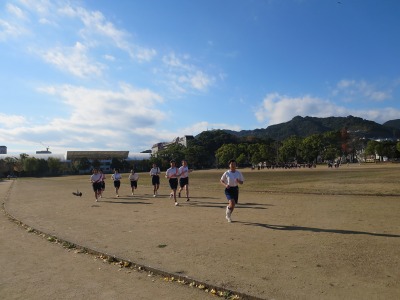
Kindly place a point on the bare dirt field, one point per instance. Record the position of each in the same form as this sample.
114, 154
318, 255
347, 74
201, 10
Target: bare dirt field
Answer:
296, 234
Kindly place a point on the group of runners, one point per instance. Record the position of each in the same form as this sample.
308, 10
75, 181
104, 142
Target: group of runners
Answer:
177, 176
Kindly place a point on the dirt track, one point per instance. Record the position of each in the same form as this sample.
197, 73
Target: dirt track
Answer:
280, 246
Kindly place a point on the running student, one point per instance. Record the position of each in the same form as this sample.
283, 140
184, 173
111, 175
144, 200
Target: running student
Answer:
155, 179
116, 177
133, 177
184, 179
230, 180
103, 183
95, 179
172, 174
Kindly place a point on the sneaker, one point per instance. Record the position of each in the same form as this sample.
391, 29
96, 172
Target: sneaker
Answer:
132, 194
117, 196
97, 200
154, 195
228, 212
229, 220
171, 195
176, 204
187, 199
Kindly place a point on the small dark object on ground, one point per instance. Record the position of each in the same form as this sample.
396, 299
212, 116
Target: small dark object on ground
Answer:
77, 193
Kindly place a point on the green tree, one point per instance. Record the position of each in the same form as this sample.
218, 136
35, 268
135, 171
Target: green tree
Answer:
225, 153
173, 151
3, 168
211, 141
10, 163
30, 165
196, 156
288, 152
42, 167
311, 147
54, 165
241, 160
255, 153
371, 148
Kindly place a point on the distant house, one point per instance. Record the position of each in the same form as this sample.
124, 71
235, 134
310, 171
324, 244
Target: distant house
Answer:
3, 149
179, 140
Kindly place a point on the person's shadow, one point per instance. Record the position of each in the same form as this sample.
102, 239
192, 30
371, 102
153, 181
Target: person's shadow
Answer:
313, 229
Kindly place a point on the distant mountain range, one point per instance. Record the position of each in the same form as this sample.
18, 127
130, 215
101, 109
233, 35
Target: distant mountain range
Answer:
305, 126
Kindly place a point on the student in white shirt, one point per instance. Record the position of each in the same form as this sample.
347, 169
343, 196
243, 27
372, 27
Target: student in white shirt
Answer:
116, 177
133, 178
95, 179
230, 180
155, 179
103, 182
184, 179
172, 174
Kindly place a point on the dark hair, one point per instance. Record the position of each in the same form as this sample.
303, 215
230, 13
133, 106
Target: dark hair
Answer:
172, 160
231, 161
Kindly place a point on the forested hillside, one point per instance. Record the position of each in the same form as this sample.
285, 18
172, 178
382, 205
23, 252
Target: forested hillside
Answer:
306, 126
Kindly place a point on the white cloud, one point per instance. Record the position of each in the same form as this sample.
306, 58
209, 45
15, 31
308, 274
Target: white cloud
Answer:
109, 57
97, 118
11, 121
74, 60
353, 90
10, 30
96, 24
183, 77
16, 11
42, 7
276, 108
97, 108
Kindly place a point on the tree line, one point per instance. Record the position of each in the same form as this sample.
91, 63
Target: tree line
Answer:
213, 149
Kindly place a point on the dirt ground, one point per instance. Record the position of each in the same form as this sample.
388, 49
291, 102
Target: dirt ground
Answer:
281, 245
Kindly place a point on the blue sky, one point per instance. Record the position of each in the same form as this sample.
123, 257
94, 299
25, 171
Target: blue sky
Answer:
123, 75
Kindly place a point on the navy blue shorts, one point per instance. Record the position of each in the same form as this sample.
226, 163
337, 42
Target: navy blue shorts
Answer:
133, 183
173, 183
232, 193
155, 179
117, 183
96, 186
183, 181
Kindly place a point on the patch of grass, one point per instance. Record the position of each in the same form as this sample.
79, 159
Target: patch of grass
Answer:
68, 245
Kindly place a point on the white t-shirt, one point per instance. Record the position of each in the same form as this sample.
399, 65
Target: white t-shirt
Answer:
184, 171
172, 173
155, 171
116, 177
133, 177
230, 177
96, 177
